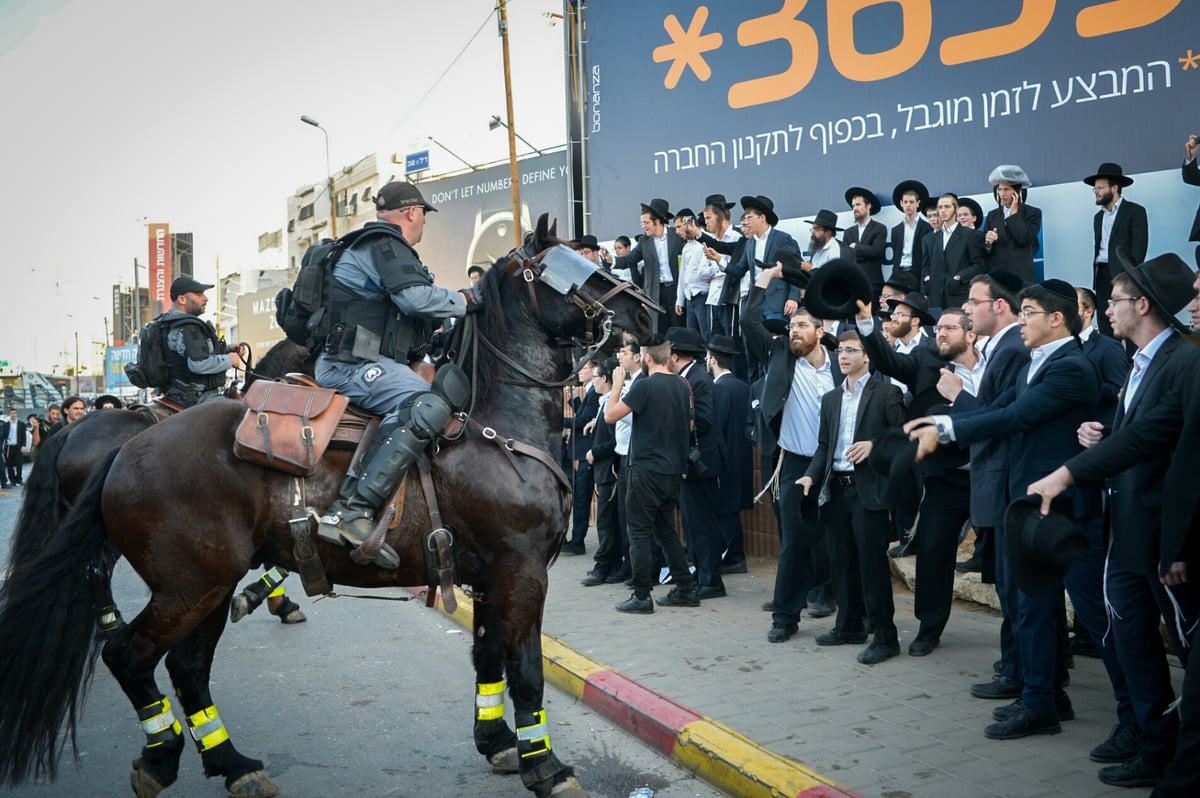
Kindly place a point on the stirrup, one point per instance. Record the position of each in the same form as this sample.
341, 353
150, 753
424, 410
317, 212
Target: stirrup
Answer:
333, 528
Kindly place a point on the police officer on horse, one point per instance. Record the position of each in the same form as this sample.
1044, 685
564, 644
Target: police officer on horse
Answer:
384, 309
196, 358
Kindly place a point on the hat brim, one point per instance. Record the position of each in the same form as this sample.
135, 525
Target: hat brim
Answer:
1124, 181
1034, 576
793, 270
722, 350
925, 316
819, 223
859, 191
1125, 257
775, 326
650, 209
802, 514
905, 186
752, 204
892, 456
833, 290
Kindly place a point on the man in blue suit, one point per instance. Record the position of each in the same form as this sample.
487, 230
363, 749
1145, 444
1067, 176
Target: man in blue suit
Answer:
1106, 352
1040, 414
765, 244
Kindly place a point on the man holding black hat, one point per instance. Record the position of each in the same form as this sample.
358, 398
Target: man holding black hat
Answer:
1010, 238
1118, 223
866, 239
908, 196
384, 308
658, 251
765, 243
197, 359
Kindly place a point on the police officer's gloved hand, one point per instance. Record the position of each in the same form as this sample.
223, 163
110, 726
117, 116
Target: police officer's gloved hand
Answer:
474, 298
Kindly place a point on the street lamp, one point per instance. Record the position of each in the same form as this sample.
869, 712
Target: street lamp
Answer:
496, 122
308, 120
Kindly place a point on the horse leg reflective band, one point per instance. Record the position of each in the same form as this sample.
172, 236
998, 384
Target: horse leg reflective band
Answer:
110, 619
207, 729
533, 738
272, 579
158, 722
489, 700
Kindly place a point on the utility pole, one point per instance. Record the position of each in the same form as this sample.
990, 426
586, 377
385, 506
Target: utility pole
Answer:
512, 138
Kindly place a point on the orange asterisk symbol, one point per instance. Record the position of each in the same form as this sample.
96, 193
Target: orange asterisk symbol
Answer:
1190, 61
687, 48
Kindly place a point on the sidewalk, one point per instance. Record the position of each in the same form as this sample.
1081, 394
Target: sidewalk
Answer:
812, 716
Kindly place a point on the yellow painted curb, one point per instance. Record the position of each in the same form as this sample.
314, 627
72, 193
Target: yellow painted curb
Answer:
566, 668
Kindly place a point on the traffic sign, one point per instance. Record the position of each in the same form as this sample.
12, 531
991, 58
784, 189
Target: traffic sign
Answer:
416, 162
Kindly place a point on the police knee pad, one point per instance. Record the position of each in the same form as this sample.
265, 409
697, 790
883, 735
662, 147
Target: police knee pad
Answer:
427, 414
451, 383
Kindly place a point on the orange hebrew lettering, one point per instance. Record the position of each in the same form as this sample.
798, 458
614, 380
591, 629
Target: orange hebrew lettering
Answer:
1001, 40
803, 41
917, 22
1119, 15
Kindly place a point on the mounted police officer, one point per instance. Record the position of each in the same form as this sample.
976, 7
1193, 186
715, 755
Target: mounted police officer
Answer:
384, 309
197, 359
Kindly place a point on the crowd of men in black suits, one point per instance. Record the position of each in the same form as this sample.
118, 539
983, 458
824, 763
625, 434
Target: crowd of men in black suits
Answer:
907, 406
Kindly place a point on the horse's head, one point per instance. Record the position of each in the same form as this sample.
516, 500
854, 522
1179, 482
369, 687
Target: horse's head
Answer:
572, 298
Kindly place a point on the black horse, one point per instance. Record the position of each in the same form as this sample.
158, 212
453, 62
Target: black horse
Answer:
192, 542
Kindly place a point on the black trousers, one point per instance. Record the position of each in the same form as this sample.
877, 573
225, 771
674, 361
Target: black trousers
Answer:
862, 578
650, 502
794, 577
698, 507
666, 298
610, 553
13, 460
1182, 779
1102, 286
946, 507
581, 502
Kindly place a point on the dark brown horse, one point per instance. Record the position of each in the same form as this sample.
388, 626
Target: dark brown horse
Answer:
192, 519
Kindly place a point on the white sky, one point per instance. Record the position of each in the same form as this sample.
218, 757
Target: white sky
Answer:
120, 112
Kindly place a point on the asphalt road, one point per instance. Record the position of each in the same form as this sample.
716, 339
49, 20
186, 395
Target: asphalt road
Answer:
369, 698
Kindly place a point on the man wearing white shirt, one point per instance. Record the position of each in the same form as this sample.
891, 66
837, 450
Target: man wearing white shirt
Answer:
1118, 223
908, 196
654, 261
823, 245
696, 273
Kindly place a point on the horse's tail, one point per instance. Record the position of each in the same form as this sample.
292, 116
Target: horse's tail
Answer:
42, 506
49, 607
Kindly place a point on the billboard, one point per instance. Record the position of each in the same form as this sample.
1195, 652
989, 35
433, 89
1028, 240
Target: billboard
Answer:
800, 99
256, 321
115, 360
473, 223
160, 267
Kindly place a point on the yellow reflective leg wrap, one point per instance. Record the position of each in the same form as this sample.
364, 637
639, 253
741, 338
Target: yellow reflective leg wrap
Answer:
158, 723
273, 578
276, 592
533, 736
207, 729
489, 700
110, 619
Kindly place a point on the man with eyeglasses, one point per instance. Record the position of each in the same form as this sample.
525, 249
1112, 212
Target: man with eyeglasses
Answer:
1118, 223
696, 273
1103, 350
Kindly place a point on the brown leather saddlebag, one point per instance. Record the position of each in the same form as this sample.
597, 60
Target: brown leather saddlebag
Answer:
287, 427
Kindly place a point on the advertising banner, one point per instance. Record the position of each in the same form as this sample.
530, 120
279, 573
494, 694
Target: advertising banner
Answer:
115, 360
256, 321
160, 267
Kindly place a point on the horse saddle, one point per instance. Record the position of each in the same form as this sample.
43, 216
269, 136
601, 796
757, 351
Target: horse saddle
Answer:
287, 427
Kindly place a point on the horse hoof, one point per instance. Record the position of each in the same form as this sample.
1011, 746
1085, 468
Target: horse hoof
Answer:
144, 785
253, 785
239, 608
295, 616
506, 762
568, 788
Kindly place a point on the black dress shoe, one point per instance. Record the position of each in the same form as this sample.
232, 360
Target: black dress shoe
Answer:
782, 631
592, 579
998, 667
1134, 773
617, 578
821, 609
636, 606
573, 549
712, 592
1062, 707
997, 688
923, 646
835, 638
972, 566
768, 606
738, 567
680, 597
1121, 745
878, 652
1023, 723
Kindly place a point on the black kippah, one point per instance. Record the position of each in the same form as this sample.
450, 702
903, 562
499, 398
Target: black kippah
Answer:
1060, 287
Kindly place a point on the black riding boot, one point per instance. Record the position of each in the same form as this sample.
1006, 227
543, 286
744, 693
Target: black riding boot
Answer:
352, 517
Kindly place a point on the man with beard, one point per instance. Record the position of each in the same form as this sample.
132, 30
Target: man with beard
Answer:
866, 239
946, 504
1118, 223
799, 372
823, 245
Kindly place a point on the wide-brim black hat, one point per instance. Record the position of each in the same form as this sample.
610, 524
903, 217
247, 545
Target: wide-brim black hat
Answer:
905, 186
587, 242
905, 281
893, 456
918, 304
763, 205
834, 288
793, 271
1165, 280
976, 209
1111, 171
718, 201
802, 514
723, 345
775, 326
686, 341
658, 208
867, 194
827, 219
1040, 548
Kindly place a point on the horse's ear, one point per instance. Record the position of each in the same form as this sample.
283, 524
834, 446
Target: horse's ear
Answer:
553, 232
543, 224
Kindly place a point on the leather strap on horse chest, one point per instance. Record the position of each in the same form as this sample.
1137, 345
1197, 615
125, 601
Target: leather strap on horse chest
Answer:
509, 445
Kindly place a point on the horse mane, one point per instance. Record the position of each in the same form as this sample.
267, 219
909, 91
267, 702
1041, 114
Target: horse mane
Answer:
282, 358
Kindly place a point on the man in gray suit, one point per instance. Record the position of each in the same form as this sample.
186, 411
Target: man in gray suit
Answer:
658, 252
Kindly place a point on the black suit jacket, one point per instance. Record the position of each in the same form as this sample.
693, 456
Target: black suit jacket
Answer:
731, 405
644, 251
1130, 229
778, 292
604, 452
1191, 176
703, 413
585, 411
1110, 358
946, 274
22, 439
867, 253
923, 229
879, 407
1017, 241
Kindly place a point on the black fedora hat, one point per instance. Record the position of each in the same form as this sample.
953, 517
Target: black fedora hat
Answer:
793, 271
827, 219
763, 205
659, 209
802, 514
587, 242
1165, 280
892, 456
867, 194
976, 209
904, 281
834, 288
918, 304
1040, 548
775, 326
723, 345
1113, 172
718, 201
686, 341
905, 186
